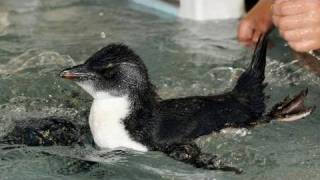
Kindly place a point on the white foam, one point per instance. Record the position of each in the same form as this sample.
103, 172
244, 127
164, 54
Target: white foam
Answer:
235, 131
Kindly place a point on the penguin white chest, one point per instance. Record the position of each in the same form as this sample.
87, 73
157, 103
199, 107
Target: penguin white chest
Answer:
106, 123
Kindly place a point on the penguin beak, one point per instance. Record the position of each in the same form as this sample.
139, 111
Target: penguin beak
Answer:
75, 72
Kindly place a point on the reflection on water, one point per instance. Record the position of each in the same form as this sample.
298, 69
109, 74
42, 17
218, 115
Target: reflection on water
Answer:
38, 38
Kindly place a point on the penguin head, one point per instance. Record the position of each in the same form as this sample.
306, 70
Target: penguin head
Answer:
115, 69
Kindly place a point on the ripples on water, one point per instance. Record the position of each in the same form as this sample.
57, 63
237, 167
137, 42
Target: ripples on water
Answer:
38, 38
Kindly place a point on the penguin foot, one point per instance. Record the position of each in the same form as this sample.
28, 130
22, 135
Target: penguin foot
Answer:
291, 109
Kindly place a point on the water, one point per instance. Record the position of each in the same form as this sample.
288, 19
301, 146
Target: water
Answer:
38, 38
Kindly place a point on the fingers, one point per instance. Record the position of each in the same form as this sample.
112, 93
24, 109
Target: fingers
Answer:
248, 35
301, 34
256, 36
257, 22
298, 22
293, 7
245, 31
305, 45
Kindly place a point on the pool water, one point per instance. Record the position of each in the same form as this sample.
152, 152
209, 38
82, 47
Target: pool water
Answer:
38, 38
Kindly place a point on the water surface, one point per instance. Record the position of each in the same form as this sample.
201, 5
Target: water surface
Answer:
38, 38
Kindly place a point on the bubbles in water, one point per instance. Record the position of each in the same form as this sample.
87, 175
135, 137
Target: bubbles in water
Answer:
103, 35
101, 14
281, 74
235, 132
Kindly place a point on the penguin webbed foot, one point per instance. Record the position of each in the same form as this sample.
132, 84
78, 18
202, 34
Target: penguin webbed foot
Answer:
291, 109
190, 153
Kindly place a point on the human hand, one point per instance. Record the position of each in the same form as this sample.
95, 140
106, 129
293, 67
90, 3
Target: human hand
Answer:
255, 23
298, 22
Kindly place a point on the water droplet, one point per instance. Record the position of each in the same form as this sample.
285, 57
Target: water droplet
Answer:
103, 35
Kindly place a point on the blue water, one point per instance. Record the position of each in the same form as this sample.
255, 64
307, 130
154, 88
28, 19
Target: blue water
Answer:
38, 38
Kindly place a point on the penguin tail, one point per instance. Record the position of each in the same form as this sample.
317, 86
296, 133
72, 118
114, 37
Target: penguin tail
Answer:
250, 86
191, 154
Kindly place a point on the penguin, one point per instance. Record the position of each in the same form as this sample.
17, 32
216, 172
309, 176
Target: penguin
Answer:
127, 112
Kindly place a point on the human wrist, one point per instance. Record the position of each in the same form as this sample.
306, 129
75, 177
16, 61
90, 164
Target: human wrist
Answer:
263, 7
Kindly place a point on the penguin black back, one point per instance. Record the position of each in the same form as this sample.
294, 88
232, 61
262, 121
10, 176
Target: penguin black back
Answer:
191, 117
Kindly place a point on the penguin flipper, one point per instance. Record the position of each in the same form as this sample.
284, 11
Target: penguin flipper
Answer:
191, 154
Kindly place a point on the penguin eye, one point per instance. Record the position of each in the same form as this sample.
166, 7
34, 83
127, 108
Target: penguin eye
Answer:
109, 66
108, 71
